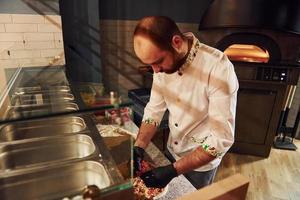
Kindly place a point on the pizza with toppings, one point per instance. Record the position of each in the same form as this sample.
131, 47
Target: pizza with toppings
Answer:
141, 191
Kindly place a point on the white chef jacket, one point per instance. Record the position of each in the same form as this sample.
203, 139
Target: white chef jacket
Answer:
201, 103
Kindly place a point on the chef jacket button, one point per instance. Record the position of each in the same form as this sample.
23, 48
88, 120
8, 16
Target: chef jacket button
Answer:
176, 124
176, 142
178, 100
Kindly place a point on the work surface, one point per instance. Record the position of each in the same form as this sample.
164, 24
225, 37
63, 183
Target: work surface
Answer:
179, 185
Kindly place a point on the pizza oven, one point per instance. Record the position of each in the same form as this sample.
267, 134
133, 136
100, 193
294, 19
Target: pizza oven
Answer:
264, 47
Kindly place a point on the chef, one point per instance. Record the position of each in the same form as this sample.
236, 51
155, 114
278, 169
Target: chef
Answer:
198, 86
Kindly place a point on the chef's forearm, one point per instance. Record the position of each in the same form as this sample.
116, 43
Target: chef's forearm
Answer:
146, 132
193, 160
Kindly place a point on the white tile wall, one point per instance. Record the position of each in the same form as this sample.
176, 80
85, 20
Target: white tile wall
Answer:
11, 37
50, 52
4, 55
34, 62
52, 19
58, 44
39, 45
8, 63
5, 18
49, 28
28, 19
25, 53
30, 40
11, 45
2, 28
58, 36
22, 28
38, 36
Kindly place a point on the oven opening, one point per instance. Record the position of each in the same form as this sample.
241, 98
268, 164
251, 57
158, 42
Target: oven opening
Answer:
247, 53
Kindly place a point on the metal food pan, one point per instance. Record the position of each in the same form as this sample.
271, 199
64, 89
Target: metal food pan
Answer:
41, 128
45, 98
25, 111
45, 151
55, 182
32, 90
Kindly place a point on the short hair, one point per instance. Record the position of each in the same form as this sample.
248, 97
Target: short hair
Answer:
159, 29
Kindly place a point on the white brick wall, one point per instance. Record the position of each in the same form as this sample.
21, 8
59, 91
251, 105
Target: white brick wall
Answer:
11, 37
28, 19
38, 36
40, 45
11, 46
58, 36
34, 62
2, 28
7, 63
29, 40
22, 28
52, 19
48, 28
5, 18
25, 53
59, 44
50, 52
4, 55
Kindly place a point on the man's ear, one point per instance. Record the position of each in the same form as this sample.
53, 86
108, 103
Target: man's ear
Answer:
177, 42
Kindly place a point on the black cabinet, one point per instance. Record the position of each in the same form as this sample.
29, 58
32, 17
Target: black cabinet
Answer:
252, 124
257, 115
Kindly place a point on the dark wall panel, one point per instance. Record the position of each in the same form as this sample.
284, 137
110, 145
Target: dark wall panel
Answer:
181, 11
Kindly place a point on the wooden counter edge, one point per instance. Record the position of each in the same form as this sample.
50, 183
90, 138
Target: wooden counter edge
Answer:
231, 188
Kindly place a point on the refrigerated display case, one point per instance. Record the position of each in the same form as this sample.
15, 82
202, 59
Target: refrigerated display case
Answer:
62, 140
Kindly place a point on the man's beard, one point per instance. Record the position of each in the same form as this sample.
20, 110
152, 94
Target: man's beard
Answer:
178, 61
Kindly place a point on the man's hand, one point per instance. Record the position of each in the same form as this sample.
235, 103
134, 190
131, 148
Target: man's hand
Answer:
138, 156
159, 177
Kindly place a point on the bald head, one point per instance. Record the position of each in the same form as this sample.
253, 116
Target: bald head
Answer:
145, 50
159, 43
159, 30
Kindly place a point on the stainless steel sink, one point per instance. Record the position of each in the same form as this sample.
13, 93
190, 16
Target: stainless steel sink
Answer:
33, 90
25, 111
45, 151
55, 182
41, 128
41, 98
